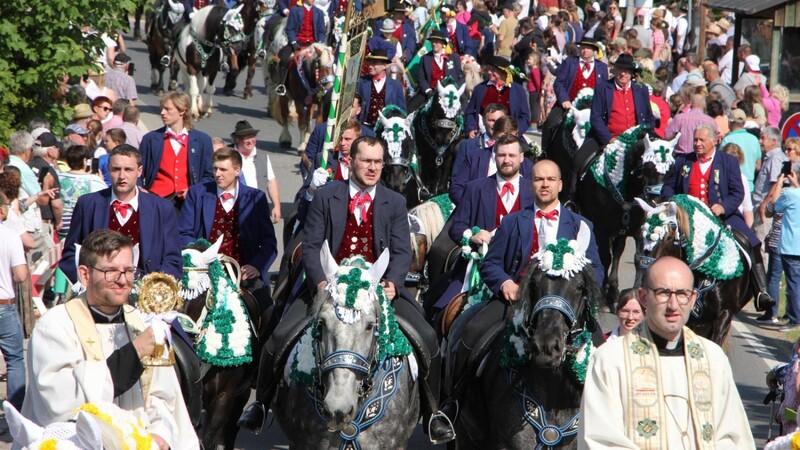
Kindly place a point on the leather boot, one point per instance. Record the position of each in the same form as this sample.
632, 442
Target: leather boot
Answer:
758, 276
253, 417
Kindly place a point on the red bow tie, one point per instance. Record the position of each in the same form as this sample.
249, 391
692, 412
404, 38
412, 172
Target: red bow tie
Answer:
508, 188
703, 159
360, 200
226, 196
379, 77
587, 67
552, 215
182, 139
121, 208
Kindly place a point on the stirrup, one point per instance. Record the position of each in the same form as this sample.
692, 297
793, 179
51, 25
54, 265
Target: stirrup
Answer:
281, 90
224, 67
449, 422
261, 54
165, 60
257, 429
764, 302
571, 205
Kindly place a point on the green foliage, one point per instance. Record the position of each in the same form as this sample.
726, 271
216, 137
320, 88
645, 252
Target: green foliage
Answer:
41, 45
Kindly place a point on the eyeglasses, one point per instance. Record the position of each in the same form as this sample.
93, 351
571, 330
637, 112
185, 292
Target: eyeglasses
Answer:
663, 295
113, 275
369, 162
105, 108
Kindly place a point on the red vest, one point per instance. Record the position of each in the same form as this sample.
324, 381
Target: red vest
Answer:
698, 182
306, 33
398, 33
501, 212
437, 73
227, 224
623, 112
339, 176
377, 101
453, 40
173, 173
131, 227
580, 82
357, 238
494, 96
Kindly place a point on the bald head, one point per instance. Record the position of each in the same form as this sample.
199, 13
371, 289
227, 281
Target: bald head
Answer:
668, 264
547, 165
698, 101
711, 71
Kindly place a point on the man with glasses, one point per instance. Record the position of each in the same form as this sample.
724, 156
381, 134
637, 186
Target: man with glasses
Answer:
90, 349
357, 217
662, 386
148, 220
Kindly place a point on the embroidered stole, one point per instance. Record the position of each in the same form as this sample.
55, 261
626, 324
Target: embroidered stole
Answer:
646, 408
78, 310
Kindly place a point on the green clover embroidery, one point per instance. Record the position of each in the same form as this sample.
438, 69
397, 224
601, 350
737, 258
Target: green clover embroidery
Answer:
647, 428
695, 350
640, 348
708, 432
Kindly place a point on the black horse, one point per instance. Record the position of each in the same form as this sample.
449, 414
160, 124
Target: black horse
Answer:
438, 128
400, 172
531, 398
158, 29
247, 56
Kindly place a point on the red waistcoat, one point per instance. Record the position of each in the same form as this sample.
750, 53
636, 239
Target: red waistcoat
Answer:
494, 96
454, 40
501, 212
357, 239
173, 173
623, 112
437, 73
377, 101
581, 82
698, 182
131, 227
306, 33
227, 224
398, 33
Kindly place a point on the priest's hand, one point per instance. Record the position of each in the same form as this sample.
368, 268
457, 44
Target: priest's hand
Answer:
162, 444
145, 343
389, 289
510, 290
249, 272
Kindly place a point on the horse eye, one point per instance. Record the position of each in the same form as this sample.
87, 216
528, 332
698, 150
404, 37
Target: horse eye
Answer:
370, 326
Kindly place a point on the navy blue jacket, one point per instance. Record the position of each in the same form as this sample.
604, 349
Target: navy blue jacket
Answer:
509, 249
518, 102
464, 42
200, 154
296, 20
392, 88
478, 206
602, 105
257, 242
317, 140
378, 42
568, 70
452, 69
472, 163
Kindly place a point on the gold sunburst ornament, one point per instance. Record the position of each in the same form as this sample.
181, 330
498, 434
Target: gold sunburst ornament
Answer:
158, 299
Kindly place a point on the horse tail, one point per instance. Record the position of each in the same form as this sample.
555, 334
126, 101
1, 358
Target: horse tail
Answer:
431, 217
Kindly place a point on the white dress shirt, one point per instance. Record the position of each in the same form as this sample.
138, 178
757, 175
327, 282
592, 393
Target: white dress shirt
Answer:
548, 229
227, 205
371, 191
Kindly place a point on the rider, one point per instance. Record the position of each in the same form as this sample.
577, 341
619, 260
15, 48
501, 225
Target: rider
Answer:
377, 90
618, 104
456, 32
433, 68
519, 237
499, 88
383, 225
404, 30
177, 12
305, 26
691, 174
266, 8
574, 73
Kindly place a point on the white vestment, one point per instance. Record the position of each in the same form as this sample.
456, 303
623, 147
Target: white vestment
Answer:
604, 406
61, 378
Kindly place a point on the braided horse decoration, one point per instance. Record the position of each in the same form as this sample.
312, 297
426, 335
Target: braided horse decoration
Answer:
350, 381
528, 392
226, 322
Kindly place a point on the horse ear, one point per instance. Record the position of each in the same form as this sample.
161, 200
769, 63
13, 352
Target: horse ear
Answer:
377, 270
440, 89
408, 121
672, 209
208, 256
644, 205
647, 143
584, 237
329, 266
89, 434
574, 110
461, 90
384, 122
674, 140
23, 431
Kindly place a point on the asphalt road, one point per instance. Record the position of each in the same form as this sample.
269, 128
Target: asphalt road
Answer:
752, 350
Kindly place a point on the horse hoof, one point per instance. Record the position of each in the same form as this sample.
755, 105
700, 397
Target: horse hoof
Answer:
286, 145
228, 92
247, 95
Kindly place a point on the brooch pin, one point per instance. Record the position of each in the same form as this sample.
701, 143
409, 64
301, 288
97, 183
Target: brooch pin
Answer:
716, 176
685, 170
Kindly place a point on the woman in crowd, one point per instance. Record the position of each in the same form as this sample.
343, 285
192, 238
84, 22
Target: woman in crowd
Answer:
776, 101
629, 313
746, 207
752, 94
716, 110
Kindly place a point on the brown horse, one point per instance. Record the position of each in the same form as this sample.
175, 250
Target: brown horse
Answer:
247, 55
668, 231
157, 29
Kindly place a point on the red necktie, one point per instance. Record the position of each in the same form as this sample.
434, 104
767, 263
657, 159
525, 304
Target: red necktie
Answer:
226, 196
552, 215
121, 208
360, 201
586, 67
508, 188
182, 139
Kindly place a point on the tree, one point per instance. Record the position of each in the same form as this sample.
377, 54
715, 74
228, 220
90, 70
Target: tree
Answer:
41, 46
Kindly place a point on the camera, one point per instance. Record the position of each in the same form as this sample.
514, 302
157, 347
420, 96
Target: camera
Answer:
131, 68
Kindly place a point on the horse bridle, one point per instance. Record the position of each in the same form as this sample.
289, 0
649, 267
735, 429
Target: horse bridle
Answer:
451, 136
560, 304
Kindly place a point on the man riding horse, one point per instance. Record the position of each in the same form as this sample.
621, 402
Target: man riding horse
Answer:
305, 26
357, 218
714, 177
176, 15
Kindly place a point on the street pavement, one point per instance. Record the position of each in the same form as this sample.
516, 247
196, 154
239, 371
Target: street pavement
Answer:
752, 350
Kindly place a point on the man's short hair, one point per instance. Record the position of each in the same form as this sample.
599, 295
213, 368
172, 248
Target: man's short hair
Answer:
119, 105
20, 142
355, 125
117, 135
772, 133
182, 103
126, 150
228, 154
508, 139
366, 141
494, 107
76, 156
131, 115
505, 125
709, 127
100, 244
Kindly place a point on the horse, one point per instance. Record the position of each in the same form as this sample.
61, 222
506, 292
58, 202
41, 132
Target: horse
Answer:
437, 129
158, 28
528, 390
317, 67
274, 40
569, 134
214, 31
210, 288
400, 171
634, 166
247, 55
685, 228
350, 380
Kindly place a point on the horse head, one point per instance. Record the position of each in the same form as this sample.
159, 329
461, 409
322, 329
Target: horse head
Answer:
394, 128
197, 258
449, 97
351, 317
657, 158
663, 232
559, 298
318, 64
231, 34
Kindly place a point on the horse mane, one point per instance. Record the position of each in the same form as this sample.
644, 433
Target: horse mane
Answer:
324, 52
668, 245
532, 275
214, 18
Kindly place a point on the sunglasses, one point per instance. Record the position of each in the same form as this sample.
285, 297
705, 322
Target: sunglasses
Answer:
106, 108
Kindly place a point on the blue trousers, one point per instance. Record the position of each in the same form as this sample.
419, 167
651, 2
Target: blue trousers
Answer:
11, 345
791, 269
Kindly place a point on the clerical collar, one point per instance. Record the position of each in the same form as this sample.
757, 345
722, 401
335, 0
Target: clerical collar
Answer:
666, 348
103, 318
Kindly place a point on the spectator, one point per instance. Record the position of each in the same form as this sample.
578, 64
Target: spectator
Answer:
117, 109
101, 109
751, 149
726, 62
686, 122
746, 207
130, 125
118, 80
45, 155
76, 182
752, 95
768, 175
775, 101
664, 113
10, 183
658, 43
94, 140
788, 204
462, 15
751, 75
21, 147
683, 72
534, 87
717, 84
751, 123
791, 389
629, 314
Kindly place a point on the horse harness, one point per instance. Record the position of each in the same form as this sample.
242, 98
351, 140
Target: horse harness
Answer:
451, 136
200, 44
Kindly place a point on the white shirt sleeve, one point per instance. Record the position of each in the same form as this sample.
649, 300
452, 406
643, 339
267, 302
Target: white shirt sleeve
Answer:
270, 172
